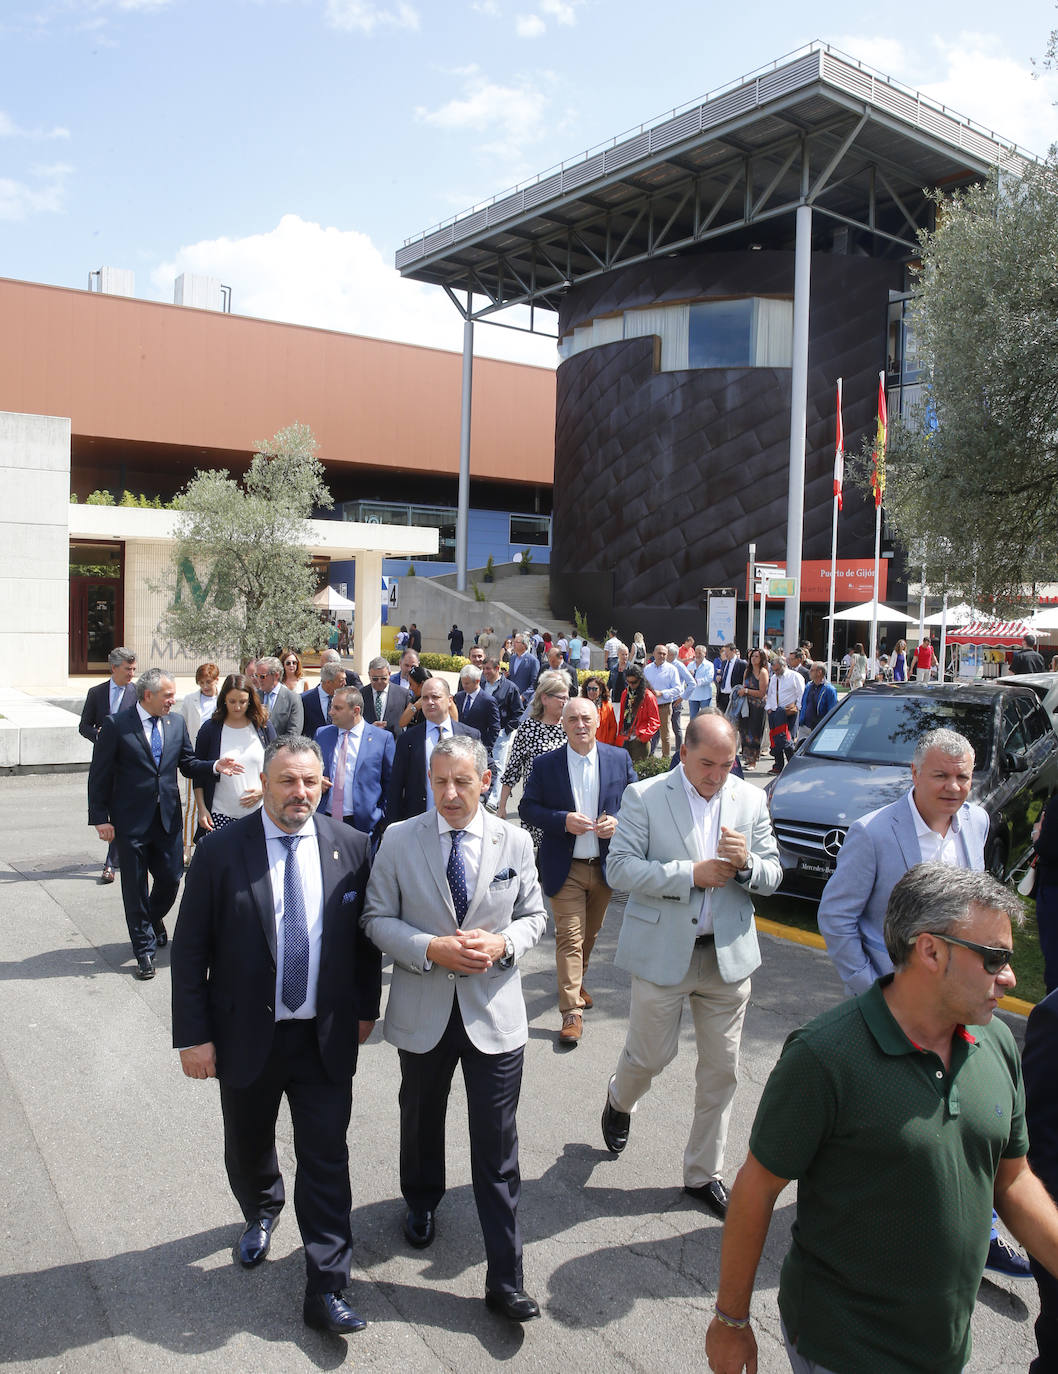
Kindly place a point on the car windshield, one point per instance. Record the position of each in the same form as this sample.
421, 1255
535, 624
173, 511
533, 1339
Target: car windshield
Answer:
885, 728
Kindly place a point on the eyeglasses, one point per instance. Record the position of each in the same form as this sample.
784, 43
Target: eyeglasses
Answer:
558, 696
995, 959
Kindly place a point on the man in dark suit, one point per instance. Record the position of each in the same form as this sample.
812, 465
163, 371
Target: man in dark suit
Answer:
1028, 658
409, 793
573, 795
729, 674
454, 898
455, 640
357, 760
316, 704
524, 669
285, 711
384, 701
415, 637
106, 699
332, 656
274, 989
133, 793
477, 708
509, 700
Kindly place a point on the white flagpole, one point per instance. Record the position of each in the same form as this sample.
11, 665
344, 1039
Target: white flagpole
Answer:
877, 561
834, 554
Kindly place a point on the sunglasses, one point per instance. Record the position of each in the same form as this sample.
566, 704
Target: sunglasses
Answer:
994, 959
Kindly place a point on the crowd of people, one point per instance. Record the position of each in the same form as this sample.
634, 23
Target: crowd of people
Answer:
325, 825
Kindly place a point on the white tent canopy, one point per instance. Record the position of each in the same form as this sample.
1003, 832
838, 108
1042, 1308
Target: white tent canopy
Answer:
956, 615
327, 599
865, 611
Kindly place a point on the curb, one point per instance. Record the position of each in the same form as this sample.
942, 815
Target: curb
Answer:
815, 941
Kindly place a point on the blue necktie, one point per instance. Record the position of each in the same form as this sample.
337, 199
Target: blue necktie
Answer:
295, 930
156, 741
457, 877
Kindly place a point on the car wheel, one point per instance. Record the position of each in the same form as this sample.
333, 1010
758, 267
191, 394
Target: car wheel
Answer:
996, 859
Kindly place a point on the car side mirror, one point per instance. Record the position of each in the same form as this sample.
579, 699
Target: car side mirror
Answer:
1014, 763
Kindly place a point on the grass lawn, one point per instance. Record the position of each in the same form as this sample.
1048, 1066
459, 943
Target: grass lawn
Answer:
1027, 962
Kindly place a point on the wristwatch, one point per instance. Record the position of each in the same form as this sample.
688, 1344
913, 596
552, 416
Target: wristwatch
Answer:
508, 952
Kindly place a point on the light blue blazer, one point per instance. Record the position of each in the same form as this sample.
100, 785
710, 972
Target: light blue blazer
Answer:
878, 850
652, 857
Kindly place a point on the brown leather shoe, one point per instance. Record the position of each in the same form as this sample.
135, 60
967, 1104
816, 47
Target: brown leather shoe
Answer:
107, 876
572, 1028
586, 1000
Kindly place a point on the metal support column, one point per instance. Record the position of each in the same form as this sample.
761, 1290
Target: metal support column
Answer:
795, 510
463, 509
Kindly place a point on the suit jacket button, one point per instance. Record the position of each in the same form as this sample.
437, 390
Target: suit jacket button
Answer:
451, 977
694, 920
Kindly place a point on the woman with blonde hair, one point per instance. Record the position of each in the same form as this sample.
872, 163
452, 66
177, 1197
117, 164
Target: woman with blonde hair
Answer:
538, 735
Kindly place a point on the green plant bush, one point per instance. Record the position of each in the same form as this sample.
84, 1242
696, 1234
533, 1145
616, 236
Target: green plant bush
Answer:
650, 767
446, 663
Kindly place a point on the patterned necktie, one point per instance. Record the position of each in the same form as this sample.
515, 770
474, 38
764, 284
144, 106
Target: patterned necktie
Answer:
457, 877
378, 705
295, 930
338, 789
156, 742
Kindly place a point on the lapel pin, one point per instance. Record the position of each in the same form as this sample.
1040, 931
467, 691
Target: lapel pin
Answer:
336, 856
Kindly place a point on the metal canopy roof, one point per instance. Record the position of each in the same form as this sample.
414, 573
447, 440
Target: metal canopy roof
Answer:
817, 128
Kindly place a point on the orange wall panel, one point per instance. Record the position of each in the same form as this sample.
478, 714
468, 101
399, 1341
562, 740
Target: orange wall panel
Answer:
128, 369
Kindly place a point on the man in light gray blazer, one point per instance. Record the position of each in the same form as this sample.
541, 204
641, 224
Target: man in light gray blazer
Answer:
692, 848
284, 706
454, 898
933, 823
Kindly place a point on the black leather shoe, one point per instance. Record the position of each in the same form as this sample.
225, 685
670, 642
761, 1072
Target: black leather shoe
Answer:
255, 1240
145, 967
161, 935
330, 1312
712, 1195
516, 1305
615, 1126
419, 1228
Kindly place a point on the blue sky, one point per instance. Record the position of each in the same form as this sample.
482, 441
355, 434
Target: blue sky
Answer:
289, 146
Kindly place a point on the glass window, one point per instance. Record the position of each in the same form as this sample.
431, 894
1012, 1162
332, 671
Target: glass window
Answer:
721, 334
531, 530
884, 728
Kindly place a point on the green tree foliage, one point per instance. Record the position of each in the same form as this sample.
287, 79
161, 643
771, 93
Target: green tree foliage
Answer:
241, 578
973, 475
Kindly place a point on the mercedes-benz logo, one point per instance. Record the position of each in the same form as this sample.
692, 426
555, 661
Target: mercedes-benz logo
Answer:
832, 842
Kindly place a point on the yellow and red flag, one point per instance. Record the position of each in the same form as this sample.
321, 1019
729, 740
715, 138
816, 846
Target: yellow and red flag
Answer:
878, 463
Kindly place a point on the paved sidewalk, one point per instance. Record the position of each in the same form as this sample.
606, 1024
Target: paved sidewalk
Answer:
118, 1223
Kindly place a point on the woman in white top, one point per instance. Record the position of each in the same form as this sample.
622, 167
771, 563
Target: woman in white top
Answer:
702, 671
195, 708
239, 728
292, 672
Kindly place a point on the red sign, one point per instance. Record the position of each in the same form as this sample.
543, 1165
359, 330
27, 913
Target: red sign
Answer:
855, 580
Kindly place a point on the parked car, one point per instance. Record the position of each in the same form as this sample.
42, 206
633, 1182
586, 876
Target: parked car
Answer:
1045, 685
859, 758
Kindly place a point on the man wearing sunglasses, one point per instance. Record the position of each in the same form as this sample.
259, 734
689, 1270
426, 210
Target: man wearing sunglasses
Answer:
935, 822
901, 1115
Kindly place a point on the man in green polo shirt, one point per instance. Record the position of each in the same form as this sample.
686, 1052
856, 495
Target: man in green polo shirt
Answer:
902, 1129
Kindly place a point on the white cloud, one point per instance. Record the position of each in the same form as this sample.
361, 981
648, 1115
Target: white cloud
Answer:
362, 16
9, 129
306, 273
489, 7
973, 75
560, 10
44, 195
529, 26
514, 116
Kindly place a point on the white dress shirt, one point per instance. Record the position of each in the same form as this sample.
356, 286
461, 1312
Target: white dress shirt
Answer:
934, 848
664, 681
470, 845
307, 855
584, 780
434, 733
784, 689
706, 817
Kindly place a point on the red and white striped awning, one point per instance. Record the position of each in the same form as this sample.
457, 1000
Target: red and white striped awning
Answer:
994, 634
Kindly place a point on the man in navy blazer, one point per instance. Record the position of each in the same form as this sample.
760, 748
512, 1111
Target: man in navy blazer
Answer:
573, 795
524, 669
477, 708
934, 823
282, 882
729, 674
317, 702
509, 700
133, 793
369, 758
106, 699
409, 790
818, 700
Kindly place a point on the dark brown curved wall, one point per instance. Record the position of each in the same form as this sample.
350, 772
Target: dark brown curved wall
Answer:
662, 479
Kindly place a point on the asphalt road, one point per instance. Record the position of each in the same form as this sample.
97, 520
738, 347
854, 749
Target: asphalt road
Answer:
118, 1224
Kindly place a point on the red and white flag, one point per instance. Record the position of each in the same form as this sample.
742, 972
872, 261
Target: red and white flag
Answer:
839, 454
